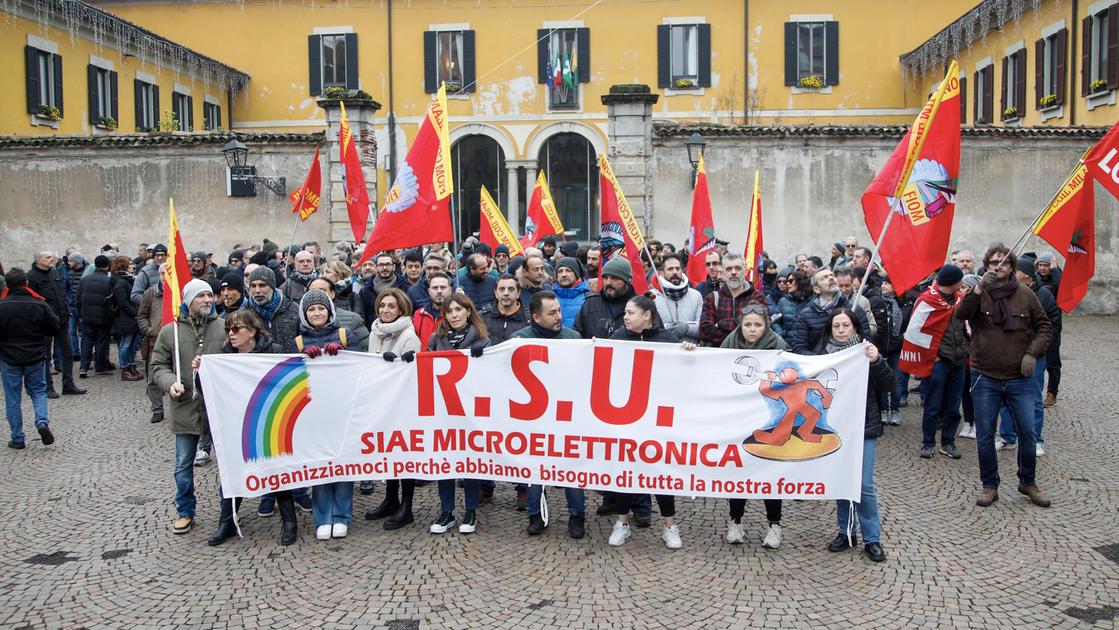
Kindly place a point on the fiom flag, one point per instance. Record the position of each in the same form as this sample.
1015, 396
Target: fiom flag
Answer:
753, 253
494, 230
918, 183
701, 234
1068, 224
305, 200
619, 227
178, 270
417, 210
542, 218
353, 180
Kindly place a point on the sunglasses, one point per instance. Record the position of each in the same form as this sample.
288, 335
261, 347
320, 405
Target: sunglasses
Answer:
756, 309
234, 328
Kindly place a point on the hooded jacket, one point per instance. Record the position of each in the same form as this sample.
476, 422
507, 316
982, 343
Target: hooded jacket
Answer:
768, 341
571, 299
148, 277
685, 310
327, 333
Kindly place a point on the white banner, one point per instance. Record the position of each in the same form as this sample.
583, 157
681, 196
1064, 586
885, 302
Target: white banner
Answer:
602, 415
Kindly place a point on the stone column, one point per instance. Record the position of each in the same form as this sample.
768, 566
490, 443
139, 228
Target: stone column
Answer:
512, 204
629, 109
360, 111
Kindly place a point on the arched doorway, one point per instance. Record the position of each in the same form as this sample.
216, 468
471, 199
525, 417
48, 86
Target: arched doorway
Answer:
569, 162
476, 161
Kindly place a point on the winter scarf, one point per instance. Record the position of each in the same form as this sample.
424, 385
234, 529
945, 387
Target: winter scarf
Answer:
456, 337
383, 330
834, 346
768, 341
1001, 293
268, 309
675, 292
380, 284
303, 278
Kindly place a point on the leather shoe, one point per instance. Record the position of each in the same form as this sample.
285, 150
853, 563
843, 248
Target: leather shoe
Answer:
52, 394
73, 390
841, 543
1035, 495
642, 519
576, 526
987, 496
874, 552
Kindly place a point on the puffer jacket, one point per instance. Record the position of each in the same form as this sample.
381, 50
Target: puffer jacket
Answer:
954, 343
789, 308
351, 321
125, 321
998, 353
148, 277
90, 301
810, 331
571, 299
656, 334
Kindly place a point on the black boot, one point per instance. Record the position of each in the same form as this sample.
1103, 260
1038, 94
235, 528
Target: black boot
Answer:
226, 529
402, 517
288, 526
387, 508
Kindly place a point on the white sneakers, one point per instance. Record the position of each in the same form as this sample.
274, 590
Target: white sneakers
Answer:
1040, 450
968, 431
323, 532
736, 535
671, 536
339, 530
772, 537
620, 534
1001, 444
201, 458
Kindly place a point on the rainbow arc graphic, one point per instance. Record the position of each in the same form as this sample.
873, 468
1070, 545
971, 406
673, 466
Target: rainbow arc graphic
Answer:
274, 409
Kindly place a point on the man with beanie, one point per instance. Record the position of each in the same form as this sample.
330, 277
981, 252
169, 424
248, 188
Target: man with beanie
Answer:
1010, 332
1024, 272
570, 288
27, 324
199, 332
97, 321
601, 313
149, 274
200, 268
723, 308
549, 247
280, 314
679, 305
1049, 276
149, 316
77, 264
232, 293
944, 386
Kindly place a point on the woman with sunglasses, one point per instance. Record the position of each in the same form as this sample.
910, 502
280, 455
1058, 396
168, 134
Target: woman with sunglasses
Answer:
754, 333
246, 333
798, 295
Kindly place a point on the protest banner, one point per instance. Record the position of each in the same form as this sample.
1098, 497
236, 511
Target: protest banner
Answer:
601, 415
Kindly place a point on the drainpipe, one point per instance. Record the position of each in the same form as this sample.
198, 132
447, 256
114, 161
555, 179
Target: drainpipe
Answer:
392, 111
1073, 70
746, 62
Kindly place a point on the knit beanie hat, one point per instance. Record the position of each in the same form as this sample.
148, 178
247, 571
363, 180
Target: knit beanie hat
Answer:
569, 248
1046, 257
311, 298
269, 246
619, 268
235, 281
949, 275
77, 259
501, 249
571, 263
1026, 265
263, 274
193, 289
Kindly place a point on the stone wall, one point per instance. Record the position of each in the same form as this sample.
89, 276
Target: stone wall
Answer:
88, 192
812, 182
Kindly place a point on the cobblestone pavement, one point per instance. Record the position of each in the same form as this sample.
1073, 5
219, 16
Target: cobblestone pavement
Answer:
86, 542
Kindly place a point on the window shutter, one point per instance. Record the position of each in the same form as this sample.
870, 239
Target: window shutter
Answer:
217, 116
353, 78
190, 113
57, 59
963, 100
1002, 91
583, 40
137, 89
1020, 82
704, 46
94, 95
664, 55
431, 78
113, 97
989, 93
1061, 71
1039, 72
1113, 47
543, 37
975, 99
1086, 56
468, 62
155, 106
314, 62
831, 53
31, 68
790, 53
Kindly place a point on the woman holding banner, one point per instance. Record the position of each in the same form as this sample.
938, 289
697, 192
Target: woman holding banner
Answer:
392, 335
641, 322
843, 331
754, 333
460, 328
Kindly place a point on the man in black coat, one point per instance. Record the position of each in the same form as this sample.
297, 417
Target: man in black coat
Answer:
27, 324
45, 280
91, 307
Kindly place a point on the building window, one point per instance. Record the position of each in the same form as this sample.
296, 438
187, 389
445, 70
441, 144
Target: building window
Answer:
476, 161
43, 71
563, 60
1100, 55
449, 58
812, 54
147, 105
332, 59
570, 163
685, 52
183, 106
1049, 74
103, 97
1014, 85
211, 116
684, 56
984, 94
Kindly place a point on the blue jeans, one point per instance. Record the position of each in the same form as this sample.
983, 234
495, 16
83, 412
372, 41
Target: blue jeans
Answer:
15, 377
988, 394
944, 388
333, 503
126, 350
268, 501
471, 490
867, 507
576, 500
1006, 426
75, 327
185, 447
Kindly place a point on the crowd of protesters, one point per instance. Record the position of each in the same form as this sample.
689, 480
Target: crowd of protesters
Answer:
997, 337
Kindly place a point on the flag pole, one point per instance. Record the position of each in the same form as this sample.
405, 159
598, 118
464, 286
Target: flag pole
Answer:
1022, 240
877, 246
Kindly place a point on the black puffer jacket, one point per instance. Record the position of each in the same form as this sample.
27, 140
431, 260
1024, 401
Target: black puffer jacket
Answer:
880, 380
125, 321
90, 304
600, 317
25, 324
656, 334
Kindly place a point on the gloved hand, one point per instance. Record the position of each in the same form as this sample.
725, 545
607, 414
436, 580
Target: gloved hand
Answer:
312, 352
476, 351
680, 329
1029, 365
390, 357
987, 280
409, 356
332, 348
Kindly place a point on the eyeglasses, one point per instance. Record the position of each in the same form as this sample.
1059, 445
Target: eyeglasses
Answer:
995, 262
755, 309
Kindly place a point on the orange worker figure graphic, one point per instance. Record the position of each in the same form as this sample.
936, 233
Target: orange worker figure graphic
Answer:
795, 397
798, 428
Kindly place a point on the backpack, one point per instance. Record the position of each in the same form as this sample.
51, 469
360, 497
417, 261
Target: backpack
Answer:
341, 337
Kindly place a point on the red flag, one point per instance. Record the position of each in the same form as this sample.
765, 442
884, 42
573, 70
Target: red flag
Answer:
755, 262
417, 210
1068, 224
305, 200
701, 234
1103, 162
178, 270
353, 180
619, 227
542, 218
493, 229
918, 183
